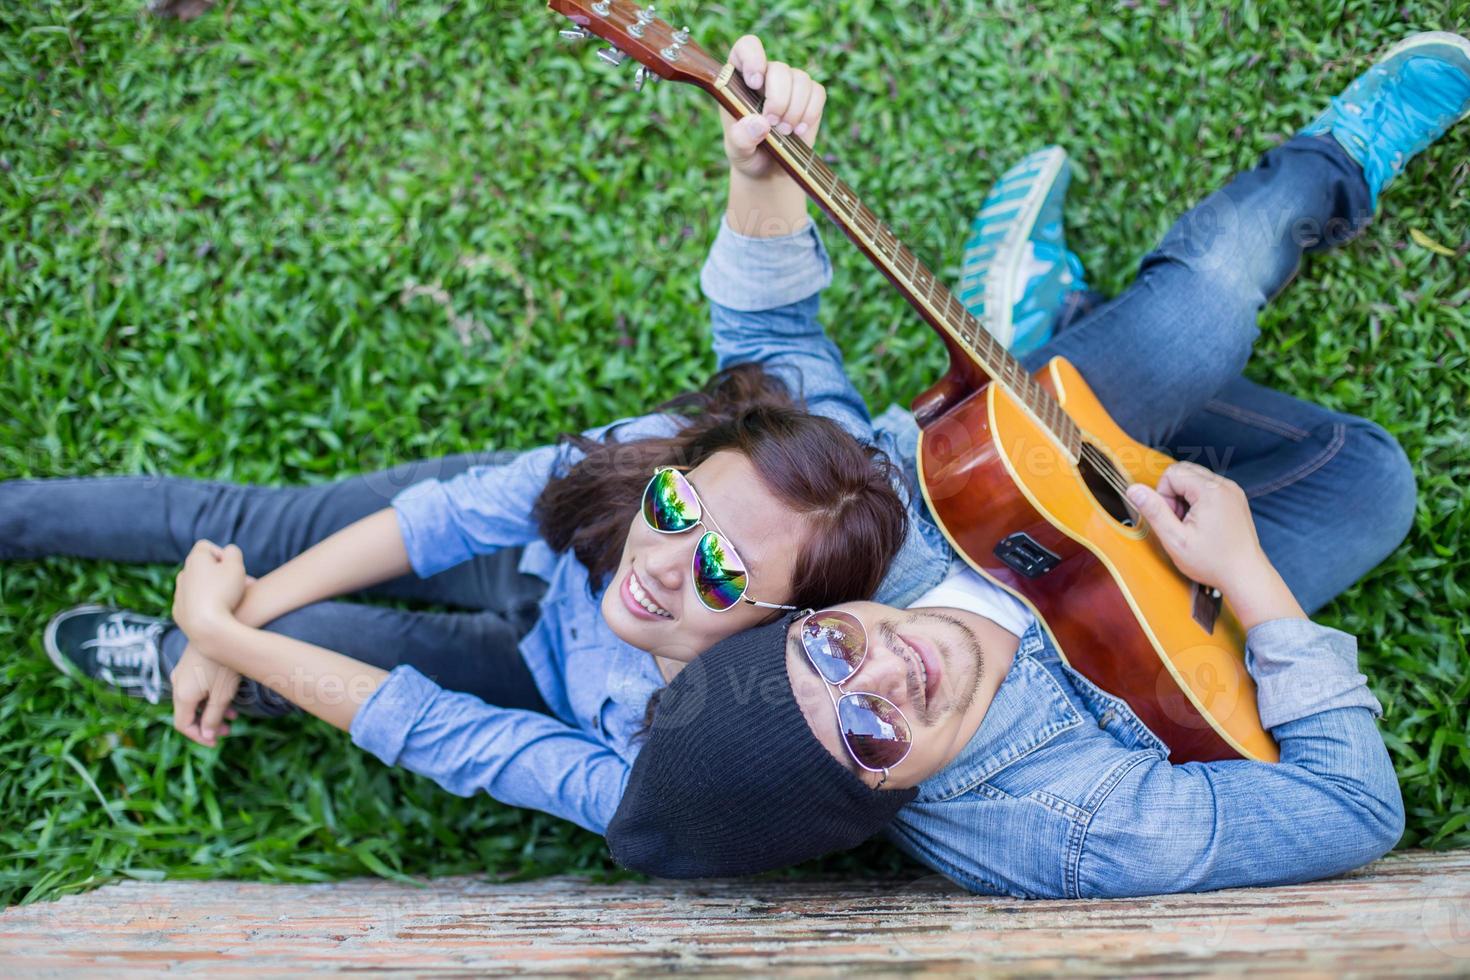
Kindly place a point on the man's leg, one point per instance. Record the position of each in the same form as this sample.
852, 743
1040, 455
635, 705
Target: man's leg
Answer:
1332, 494
158, 519
1185, 327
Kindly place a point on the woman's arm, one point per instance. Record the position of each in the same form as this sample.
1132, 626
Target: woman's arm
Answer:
321, 682
430, 526
764, 201
465, 745
360, 555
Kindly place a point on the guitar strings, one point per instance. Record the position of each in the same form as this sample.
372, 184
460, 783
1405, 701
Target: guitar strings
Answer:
1011, 372
1099, 461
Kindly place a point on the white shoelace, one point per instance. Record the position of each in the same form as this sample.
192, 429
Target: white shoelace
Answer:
128, 654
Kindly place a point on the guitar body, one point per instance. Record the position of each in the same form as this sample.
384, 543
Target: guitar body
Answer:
1115, 606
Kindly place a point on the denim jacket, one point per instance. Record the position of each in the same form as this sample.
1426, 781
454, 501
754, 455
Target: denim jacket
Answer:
1064, 792
575, 763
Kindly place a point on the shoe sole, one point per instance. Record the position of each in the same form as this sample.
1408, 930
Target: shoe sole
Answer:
53, 650
996, 317
1426, 39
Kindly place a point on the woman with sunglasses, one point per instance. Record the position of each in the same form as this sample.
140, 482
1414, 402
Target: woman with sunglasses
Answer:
597, 567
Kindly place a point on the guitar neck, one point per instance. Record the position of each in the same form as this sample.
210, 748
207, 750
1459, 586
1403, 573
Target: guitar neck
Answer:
934, 301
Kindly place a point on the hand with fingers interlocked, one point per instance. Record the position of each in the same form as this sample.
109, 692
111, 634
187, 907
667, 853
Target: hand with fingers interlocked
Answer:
203, 690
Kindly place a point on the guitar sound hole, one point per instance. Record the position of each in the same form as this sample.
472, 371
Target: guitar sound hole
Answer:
1106, 484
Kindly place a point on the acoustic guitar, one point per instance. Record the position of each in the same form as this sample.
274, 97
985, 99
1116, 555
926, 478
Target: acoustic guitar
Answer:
1024, 473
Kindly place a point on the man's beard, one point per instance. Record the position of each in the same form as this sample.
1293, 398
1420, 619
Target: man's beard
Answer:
968, 650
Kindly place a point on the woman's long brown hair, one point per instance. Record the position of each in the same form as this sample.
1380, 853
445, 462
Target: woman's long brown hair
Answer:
842, 489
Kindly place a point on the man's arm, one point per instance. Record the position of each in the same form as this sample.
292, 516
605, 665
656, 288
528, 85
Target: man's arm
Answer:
1331, 804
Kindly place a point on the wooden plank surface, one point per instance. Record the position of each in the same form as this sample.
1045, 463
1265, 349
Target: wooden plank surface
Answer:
1408, 915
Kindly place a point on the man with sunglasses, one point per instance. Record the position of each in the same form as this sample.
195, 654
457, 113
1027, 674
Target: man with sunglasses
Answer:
955, 726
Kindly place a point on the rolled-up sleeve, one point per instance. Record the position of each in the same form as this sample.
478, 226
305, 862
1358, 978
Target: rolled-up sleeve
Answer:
1302, 668
764, 306
521, 758
747, 274
446, 522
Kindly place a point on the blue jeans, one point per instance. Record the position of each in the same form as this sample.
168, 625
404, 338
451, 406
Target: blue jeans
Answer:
1332, 494
158, 519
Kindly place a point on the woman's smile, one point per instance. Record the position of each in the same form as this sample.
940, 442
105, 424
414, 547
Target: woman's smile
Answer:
640, 601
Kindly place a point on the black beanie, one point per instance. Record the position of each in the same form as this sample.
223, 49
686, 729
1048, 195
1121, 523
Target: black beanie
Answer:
731, 780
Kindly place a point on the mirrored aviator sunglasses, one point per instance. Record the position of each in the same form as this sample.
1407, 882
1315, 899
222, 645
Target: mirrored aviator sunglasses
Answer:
670, 506
874, 730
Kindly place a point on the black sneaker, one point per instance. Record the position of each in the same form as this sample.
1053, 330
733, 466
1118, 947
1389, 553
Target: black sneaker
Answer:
119, 648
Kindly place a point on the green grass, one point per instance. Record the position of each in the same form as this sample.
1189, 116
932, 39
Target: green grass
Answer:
211, 235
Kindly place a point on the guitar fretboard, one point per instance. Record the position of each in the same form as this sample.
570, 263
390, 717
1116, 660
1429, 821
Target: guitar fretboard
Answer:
934, 300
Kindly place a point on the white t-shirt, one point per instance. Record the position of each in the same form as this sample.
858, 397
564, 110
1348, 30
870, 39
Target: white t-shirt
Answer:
969, 590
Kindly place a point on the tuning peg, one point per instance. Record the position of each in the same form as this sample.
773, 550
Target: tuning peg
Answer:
645, 74
612, 56
679, 38
602, 8
576, 34
645, 17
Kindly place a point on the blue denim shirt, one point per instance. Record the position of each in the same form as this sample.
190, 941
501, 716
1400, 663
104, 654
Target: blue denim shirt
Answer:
764, 305
1063, 793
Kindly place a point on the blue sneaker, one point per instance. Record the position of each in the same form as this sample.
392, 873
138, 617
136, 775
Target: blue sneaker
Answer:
1405, 102
1018, 274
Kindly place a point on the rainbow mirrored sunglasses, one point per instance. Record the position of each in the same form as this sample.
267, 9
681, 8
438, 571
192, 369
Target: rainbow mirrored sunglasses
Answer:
671, 506
875, 732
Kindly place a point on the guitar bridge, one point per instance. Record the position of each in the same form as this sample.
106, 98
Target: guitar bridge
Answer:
1021, 552
1206, 606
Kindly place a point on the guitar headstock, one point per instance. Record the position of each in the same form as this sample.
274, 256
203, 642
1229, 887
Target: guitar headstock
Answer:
637, 32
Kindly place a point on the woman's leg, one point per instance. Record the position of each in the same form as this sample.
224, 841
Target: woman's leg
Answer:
158, 519
476, 653
1184, 328
1332, 494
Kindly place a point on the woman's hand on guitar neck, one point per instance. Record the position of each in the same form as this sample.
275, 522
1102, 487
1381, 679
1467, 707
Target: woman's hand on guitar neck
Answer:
1204, 523
764, 201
